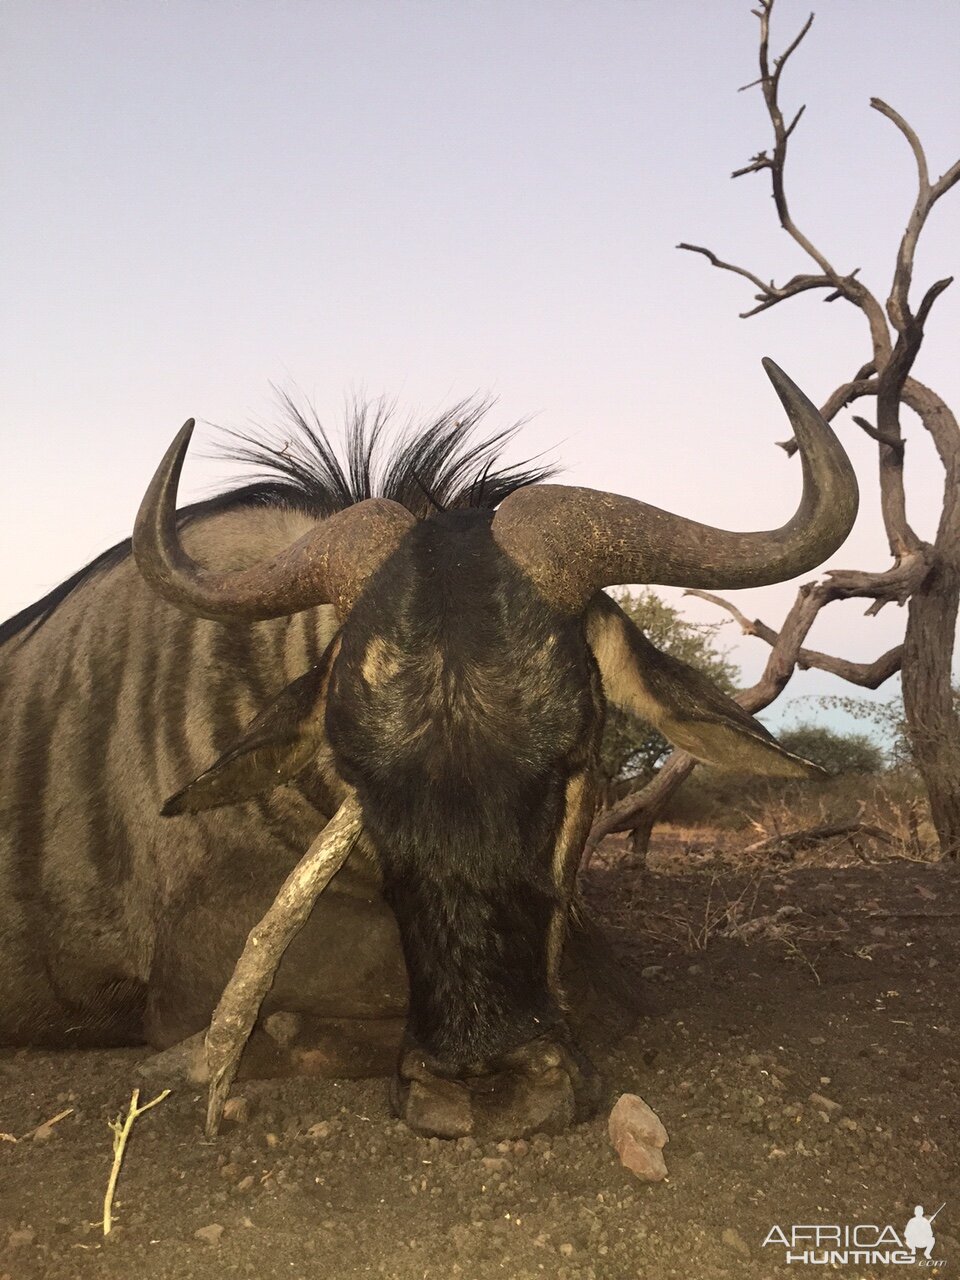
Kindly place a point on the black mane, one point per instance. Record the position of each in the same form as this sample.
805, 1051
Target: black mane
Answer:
435, 467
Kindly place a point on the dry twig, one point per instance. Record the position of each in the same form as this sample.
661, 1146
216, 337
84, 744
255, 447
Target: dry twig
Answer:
121, 1132
236, 1013
791, 840
44, 1130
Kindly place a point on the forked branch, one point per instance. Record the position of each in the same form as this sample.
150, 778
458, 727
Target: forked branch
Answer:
770, 293
928, 193
869, 675
841, 285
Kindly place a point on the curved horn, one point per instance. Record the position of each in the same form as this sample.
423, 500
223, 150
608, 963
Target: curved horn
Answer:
571, 542
329, 564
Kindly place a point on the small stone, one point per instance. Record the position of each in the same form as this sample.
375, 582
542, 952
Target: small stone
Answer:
734, 1240
237, 1109
231, 1172
18, 1239
246, 1184
272, 1140
495, 1164
651, 971
209, 1235
567, 1249
825, 1105
638, 1137
321, 1130
817, 1040
283, 1028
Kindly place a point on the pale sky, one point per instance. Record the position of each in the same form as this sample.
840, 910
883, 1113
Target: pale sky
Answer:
427, 200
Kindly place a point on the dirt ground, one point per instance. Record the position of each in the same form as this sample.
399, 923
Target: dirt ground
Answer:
765, 983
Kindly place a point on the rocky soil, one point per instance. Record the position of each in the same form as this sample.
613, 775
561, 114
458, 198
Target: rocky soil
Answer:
799, 1042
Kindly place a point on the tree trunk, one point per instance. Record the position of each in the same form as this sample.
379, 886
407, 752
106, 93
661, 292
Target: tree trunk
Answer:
933, 725
639, 811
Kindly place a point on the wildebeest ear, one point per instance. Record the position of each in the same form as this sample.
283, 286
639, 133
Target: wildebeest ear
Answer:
685, 705
276, 746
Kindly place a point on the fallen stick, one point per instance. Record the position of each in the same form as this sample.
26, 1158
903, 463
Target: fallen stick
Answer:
810, 835
47, 1125
253, 975
912, 915
121, 1132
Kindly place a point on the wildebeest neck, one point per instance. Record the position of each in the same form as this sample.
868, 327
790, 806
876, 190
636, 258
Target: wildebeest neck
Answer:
460, 707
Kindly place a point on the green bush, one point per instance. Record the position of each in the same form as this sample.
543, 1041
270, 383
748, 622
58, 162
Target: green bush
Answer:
836, 752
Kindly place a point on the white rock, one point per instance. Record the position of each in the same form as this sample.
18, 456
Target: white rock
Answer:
638, 1137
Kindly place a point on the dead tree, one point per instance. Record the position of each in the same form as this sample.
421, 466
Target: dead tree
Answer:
925, 576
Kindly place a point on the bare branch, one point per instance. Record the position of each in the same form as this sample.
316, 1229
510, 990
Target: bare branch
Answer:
869, 675
770, 294
842, 286
930, 297
795, 121
798, 284
862, 385
725, 266
941, 423
770, 85
749, 627
781, 62
236, 1013
898, 304
760, 161
892, 442
915, 146
895, 585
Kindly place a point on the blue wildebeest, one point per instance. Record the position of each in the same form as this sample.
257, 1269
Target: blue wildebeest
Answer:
446, 650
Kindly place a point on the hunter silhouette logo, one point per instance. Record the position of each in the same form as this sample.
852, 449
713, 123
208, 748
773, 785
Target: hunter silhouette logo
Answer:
918, 1233
863, 1243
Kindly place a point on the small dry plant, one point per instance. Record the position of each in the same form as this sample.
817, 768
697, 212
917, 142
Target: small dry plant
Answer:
121, 1132
721, 915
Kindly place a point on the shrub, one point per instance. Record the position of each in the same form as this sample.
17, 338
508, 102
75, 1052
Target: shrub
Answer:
836, 752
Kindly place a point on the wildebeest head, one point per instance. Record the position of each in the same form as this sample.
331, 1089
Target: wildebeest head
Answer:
463, 701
